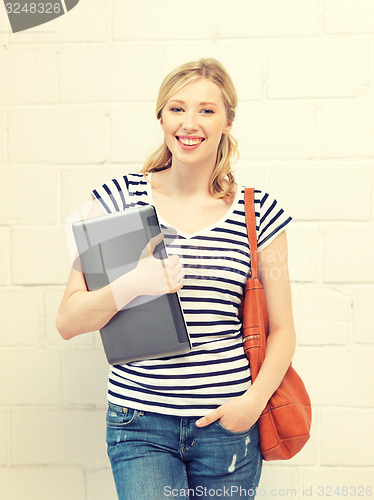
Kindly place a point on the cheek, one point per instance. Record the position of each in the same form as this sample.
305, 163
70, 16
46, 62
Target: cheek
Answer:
169, 126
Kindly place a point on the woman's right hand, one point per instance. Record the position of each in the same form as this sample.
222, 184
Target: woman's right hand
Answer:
158, 276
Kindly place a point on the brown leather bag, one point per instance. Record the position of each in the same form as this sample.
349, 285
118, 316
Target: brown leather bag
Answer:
284, 424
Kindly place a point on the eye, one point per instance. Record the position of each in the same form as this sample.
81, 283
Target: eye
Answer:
207, 111
176, 110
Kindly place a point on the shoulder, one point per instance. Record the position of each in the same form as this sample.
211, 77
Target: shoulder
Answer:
271, 217
115, 194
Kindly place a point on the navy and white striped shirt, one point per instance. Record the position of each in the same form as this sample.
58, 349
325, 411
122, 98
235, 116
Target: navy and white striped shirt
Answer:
215, 263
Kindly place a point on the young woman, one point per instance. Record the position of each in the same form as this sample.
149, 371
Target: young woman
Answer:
185, 426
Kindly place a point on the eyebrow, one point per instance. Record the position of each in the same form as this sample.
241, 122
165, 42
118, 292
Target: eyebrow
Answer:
200, 104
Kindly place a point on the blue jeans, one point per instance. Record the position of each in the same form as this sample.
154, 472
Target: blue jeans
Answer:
156, 456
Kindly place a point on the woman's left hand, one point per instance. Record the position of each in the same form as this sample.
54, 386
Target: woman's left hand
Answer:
237, 415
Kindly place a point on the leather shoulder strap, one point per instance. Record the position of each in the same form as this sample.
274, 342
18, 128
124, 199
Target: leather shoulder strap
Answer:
250, 217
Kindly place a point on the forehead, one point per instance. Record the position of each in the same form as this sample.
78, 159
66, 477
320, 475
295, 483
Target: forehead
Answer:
201, 90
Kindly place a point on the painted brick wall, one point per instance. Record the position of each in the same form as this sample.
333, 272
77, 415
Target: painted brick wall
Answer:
76, 108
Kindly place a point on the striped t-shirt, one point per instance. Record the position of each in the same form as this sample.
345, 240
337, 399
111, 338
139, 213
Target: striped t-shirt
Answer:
215, 263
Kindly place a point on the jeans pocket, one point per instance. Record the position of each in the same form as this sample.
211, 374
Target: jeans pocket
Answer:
119, 416
237, 433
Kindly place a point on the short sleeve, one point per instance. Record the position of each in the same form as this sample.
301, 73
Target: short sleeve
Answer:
271, 219
113, 195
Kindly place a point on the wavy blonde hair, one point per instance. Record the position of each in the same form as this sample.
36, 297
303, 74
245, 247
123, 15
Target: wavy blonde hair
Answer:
212, 70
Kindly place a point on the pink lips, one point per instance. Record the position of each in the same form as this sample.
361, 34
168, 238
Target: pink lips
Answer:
187, 147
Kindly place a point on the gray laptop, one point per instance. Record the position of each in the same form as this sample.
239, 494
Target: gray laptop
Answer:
149, 326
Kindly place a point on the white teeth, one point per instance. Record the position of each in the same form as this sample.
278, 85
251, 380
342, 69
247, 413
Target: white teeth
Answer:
190, 142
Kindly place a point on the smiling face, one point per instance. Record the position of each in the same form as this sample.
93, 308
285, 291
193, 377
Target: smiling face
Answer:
193, 121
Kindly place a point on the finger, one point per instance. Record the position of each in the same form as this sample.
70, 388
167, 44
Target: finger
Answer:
209, 418
153, 242
176, 288
167, 279
180, 276
173, 260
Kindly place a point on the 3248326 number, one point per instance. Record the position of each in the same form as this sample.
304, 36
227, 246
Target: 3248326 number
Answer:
345, 491
33, 8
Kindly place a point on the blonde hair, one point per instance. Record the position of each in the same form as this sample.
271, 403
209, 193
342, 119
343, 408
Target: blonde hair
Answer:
212, 70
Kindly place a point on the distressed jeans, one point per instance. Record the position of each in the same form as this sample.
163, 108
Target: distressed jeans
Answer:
156, 456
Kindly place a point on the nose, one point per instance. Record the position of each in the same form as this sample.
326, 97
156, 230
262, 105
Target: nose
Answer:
189, 123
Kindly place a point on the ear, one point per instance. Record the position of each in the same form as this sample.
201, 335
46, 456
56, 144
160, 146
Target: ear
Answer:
228, 127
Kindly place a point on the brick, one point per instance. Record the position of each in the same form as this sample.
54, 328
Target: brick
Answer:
57, 135
86, 377
276, 130
136, 132
39, 255
4, 40
16, 483
52, 300
5, 256
77, 184
37, 381
363, 319
344, 16
22, 328
340, 68
29, 196
303, 251
324, 304
100, 484
176, 24
315, 332
323, 481
247, 78
276, 481
350, 430
3, 437
108, 73
85, 23
346, 128
250, 19
347, 253
3, 135
251, 174
29, 76
310, 199
334, 376
59, 437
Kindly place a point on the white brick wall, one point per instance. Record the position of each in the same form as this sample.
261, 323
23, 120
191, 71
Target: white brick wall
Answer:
58, 436
277, 130
77, 103
23, 482
33, 75
3, 137
346, 17
59, 134
21, 205
340, 68
269, 18
171, 24
5, 256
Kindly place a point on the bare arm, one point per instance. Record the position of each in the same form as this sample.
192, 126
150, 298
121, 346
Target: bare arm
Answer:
83, 311
281, 342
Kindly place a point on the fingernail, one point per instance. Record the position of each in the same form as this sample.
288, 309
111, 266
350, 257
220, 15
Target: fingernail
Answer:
199, 422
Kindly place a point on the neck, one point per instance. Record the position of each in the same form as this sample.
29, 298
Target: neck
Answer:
189, 180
